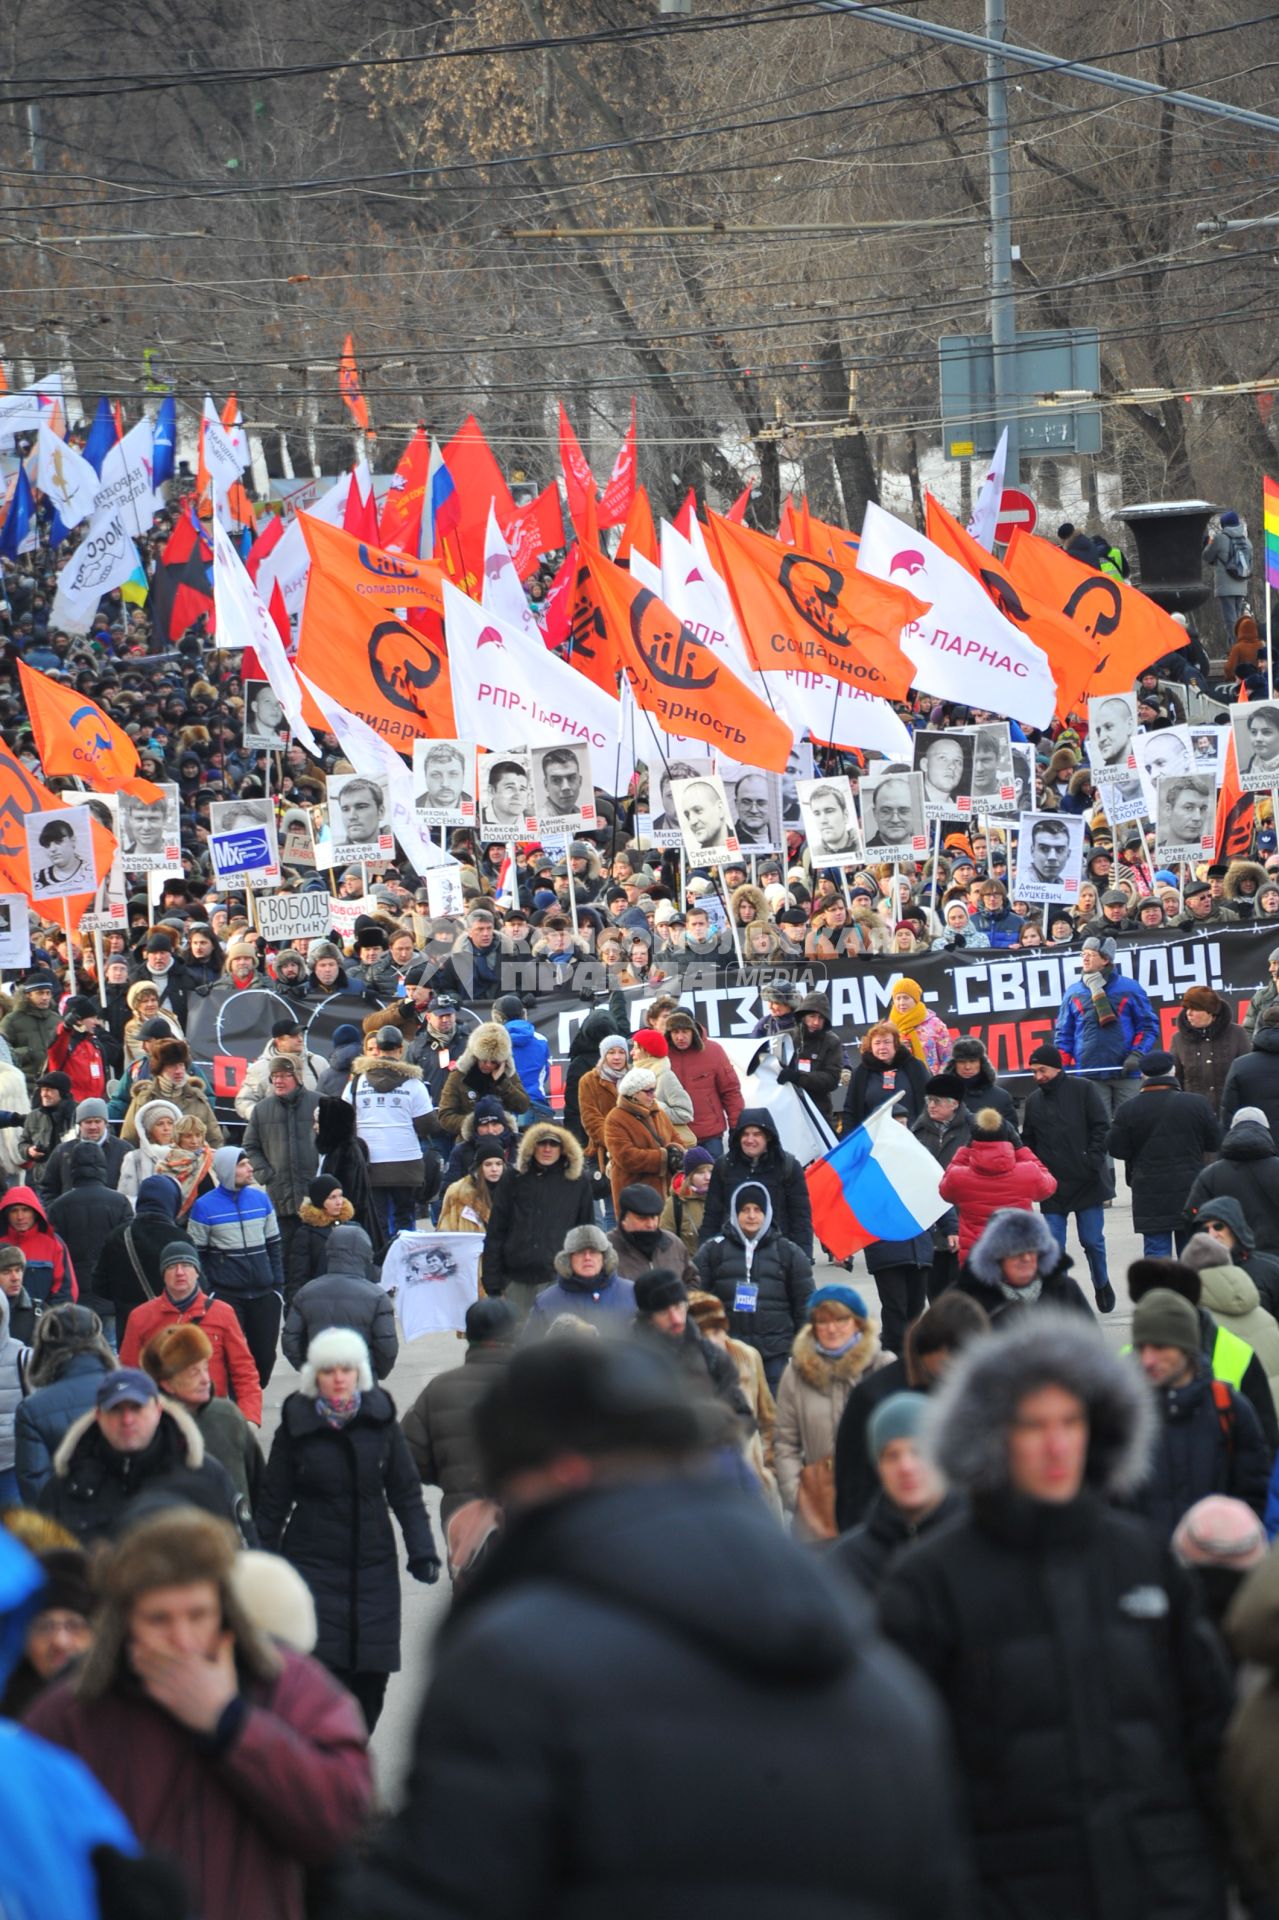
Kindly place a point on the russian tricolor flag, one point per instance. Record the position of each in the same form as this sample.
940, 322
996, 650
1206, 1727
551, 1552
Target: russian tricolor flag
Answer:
878, 1183
441, 508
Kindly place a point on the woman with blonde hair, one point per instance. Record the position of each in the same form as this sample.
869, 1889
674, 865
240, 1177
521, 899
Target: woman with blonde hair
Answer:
144, 1004
836, 1349
189, 1161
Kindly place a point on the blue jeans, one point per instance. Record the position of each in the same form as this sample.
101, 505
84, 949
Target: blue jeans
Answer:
714, 1146
1090, 1224
1157, 1246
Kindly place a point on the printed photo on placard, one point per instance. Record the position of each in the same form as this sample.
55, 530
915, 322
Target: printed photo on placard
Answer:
1256, 730
563, 790
150, 837
663, 821
444, 782
1185, 818
444, 891
946, 762
297, 837
756, 801
60, 852
266, 725
705, 817
15, 933
1159, 756
110, 910
506, 796
242, 841
829, 816
994, 778
359, 826
799, 766
1050, 857
1024, 777
893, 818
1208, 750
1112, 732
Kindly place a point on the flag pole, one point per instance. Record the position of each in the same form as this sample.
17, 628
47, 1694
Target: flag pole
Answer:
937, 858
572, 890
100, 963
66, 921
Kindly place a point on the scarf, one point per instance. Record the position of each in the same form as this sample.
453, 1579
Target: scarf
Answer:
188, 1167
607, 1073
908, 1025
645, 1240
837, 1353
1096, 985
1023, 1296
337, 1413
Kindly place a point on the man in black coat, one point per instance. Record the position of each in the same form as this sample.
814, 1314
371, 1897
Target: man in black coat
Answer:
1248, 1171
1253, 1079
970, 1062
54, 1175
86, 1216
736, 1668
1163, 1136
536, 1203
1066, 1123
756, 1153
1210, 1440
1086, 1695
764, 1280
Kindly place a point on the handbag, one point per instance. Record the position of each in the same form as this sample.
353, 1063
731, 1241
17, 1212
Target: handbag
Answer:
815, 1507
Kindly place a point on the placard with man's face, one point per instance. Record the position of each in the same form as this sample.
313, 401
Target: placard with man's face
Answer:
1024, 777
266, 725
1208, 751
1050, 857
150, 838
664, 828
994, 778
444, 782
563, 790
1159, 755
829, 814
359, 826
1185, 818
60, 852
756, 801
242, 842
15, 933
705, 818
799, 766
893, 817
1112, 731
506, 796
946, 762
1256, 731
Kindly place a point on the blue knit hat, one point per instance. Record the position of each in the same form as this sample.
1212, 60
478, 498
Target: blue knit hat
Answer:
898, 1418
1230, 518
838, 1295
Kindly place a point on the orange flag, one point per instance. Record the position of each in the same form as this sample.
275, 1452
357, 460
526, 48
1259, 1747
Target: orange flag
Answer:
388, 674
75, 737
800, 613
478, 480
370, 573
639, 535
1072, 652
675, 677
591, 647
1236, 810
1129, 629
349, 384
20, 794
786, 524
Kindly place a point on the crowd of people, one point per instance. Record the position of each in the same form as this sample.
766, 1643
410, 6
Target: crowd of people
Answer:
996, 1572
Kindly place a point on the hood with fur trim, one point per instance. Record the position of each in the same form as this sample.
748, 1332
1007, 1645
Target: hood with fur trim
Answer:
313, 1216
753, 896
1240, 870
814, 1371
542, 1130
385, 1071
171, 1410
966, 1427
490, 1041
1013, 1230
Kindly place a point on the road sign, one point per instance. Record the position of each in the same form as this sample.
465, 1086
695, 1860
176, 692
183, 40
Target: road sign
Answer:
1044, 362
1016, 509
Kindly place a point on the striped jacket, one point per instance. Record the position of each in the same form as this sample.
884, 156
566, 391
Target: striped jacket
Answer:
237, 1233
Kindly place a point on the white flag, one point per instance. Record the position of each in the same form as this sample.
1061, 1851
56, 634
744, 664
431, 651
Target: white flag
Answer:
65, 478
221, 455
243, 621
23, 412
289, 561
378, 760
963, 647
125, 487
692, 589
104, 559
502, 593
838, 714
509, 692
986, 512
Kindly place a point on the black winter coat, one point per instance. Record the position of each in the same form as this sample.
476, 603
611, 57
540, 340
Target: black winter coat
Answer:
1059, 1290
1195, 1456
1162, 1137
821, 1055
92, 1487
1203, 1056
280, 1143
344, 1295
118, 1282
983, 1090
45, 1417
55, 1172
874, 1082
326, 1506
438, 1426
783, 1274
872, 1548
1248, 1171
1088, 1701
739, 1674
775, 1169
856, 1481
532, 1213
584, 1053
1253, 1080
1066, 1123
86, 1216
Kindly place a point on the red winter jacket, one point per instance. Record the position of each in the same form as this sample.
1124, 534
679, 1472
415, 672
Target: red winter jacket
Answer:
79, 1056
232, 1368
708, 1078
292, 1787
987, 1175
40, 1244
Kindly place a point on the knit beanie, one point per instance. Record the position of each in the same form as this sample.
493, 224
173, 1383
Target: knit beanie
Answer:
1164, 1319
179, 1250
1220, 1532
1255, 1115
650, 1041
1202, 1250
638, 1080
912, 987
750, 1195
659, 1287
898, 1418
321, 1187
92, 1109
612, 1040
1156, 1066
836, 1294
1045, 1056
698, 1157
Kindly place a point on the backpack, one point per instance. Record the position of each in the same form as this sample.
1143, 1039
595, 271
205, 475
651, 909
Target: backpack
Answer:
1238, 562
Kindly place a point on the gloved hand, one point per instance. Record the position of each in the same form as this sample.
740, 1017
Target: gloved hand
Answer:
788, 1076
426, 1568
1133, 1063
674, 1158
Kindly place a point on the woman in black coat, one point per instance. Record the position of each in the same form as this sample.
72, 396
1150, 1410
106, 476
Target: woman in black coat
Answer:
344, 1158
887, 1067
818, 1062
1248, 1171
339, 1466
536, 1203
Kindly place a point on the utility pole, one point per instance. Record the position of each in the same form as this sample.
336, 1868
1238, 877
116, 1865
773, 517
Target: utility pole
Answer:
1003, 318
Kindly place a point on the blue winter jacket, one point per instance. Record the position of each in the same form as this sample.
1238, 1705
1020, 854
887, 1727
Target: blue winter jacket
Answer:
237, 1233
532, 1054
1083, 1042
998, 930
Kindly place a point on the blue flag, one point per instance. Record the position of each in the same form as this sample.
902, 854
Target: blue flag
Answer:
102, 436
165, 430
20, 519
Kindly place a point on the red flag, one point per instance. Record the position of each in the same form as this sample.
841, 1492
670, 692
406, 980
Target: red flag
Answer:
479, 480
555, 610
1236, 810
579, 481
400, 528
683, 521
349, 383
615, 501
280, 615
536, 529
786, 525
269, 538
639, 535
359, 516
737, 512
180, 589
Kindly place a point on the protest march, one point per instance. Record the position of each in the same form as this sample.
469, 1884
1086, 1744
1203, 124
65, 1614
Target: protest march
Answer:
722, 984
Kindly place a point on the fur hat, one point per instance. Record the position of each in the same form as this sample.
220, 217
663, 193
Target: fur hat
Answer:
1173, 1275
638, 1080
490, 1041
1012, 1230
969, 1416
707, 1309
62, 1334
968, 1047
989, 1124
170, 1053
1163, 1318
1201, 1000
585, 1240
276, 1598
1094, 944
946, 1086
322, 950
335, 1347
660, 1287
173, 1349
